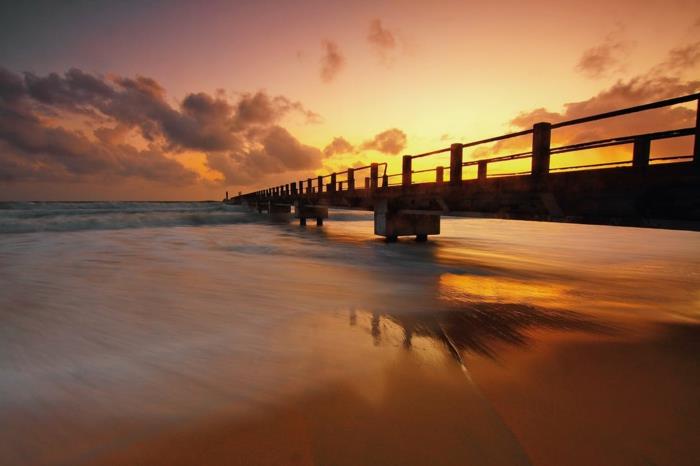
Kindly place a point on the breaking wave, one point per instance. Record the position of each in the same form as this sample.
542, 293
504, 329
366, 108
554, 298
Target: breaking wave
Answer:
27, 217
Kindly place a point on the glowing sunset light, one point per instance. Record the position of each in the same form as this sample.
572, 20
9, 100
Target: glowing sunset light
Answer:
186, 101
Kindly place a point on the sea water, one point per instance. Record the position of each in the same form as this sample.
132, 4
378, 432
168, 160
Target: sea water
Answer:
202, 333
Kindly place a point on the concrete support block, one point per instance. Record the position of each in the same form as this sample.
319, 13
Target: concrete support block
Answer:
305, 211
392, 222
279, 212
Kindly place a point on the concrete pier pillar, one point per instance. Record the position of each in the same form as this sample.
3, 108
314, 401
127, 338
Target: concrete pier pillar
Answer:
304, 211
391, 221
279, 211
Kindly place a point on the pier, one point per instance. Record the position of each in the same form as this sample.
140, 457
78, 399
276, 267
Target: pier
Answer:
643, 191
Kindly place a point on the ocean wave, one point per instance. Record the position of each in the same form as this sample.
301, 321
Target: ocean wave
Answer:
28, 217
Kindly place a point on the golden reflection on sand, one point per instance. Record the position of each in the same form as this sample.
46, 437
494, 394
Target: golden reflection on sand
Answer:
499, 289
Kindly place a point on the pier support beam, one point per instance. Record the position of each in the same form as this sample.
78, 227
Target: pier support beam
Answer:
303, 211
391, 222
279, 212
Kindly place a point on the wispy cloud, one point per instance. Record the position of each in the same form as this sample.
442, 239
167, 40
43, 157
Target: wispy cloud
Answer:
604, 58
382, 40
332, 61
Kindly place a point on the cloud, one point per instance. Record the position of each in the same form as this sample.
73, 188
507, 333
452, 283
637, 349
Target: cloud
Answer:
382, 40
277, 151
128, 128
391, 141
338, 145
684, 57
332, 61
604, 58
629, 93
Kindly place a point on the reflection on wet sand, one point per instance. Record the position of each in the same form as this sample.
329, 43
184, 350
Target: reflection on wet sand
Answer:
482, 327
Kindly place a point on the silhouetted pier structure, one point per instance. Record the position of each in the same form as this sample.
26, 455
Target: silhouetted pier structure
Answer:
644, 191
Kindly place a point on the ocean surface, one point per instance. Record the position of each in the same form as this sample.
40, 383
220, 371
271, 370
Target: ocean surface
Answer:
199, 333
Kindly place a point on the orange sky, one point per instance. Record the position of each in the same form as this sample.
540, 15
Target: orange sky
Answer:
434, 72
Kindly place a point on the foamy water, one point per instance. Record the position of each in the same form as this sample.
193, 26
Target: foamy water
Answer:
131, 328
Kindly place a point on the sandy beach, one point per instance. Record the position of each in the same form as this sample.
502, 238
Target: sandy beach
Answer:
183, 334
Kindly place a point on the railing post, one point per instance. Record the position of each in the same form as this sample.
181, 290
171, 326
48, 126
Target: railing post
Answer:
385, 180
373, 176
333, 183
406, 171
320, 185
340, 186
367, 183
440, 175
696, 149
482, 168
640, 152
308, 186
456, 155
541, 137
351, 179
294, 188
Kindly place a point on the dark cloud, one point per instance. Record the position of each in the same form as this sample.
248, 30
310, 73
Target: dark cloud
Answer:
338, 145
604, 58
382, 40
276, 151
332, 61
120, 108
391, 141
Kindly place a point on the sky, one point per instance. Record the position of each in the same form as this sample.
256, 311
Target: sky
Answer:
178, 100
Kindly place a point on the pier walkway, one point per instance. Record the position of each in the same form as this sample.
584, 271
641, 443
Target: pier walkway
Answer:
644, 191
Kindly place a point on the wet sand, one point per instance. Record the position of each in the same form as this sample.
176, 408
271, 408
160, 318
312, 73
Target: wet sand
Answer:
263, 344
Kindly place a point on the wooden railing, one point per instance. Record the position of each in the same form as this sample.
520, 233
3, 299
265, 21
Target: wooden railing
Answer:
539, 153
